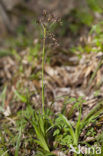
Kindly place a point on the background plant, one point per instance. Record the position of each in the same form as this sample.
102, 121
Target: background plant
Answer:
68, 133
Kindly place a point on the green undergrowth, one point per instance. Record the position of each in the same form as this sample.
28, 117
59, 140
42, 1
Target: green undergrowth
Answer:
30, 130
95, 44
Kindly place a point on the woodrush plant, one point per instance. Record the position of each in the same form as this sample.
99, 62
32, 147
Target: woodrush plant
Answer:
41, 122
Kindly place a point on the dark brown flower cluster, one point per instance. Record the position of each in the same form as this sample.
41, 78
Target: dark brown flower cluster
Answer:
47, 19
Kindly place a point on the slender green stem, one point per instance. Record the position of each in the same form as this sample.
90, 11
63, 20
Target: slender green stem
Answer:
43, 56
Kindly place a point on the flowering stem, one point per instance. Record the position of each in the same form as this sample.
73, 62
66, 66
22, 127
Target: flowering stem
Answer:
43, 56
